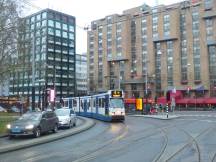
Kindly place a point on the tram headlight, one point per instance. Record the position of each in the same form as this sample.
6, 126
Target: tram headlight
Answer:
112, 113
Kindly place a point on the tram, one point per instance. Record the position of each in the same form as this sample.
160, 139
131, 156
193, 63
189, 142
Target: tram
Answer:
107, 106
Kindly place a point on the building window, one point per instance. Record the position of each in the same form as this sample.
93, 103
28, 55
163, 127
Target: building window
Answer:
71, 28
44, 23
58, 25
64, 34
64, 27
32, 19
38, 17
58, 33
51, 31
32, 27
71, 36
109, 20
155, 20
209, 29
51, 23
44, 15
208, 4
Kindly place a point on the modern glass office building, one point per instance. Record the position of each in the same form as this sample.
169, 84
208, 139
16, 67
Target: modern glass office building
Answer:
48, 43
81, 74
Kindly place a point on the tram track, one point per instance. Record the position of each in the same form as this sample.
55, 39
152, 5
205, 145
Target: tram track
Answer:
163, 148
130, 140
214, 158
190, 142
100, 150
119, 136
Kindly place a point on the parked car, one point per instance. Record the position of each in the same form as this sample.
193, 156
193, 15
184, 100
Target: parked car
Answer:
67, 117
33, 123
2, 109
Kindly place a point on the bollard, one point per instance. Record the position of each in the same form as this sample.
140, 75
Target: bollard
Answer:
167, 111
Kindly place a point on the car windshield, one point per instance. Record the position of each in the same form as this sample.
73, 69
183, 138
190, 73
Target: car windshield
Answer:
116, 103
62, 112
30, 116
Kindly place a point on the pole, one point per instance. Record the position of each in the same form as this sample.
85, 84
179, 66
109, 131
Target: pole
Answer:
55, 87
167, 111
119, 86
146, 90
33, 74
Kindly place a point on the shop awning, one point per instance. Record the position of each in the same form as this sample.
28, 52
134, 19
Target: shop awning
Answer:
200, 88
210, 100
182, 101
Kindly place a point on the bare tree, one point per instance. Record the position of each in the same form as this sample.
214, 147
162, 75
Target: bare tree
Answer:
10, 27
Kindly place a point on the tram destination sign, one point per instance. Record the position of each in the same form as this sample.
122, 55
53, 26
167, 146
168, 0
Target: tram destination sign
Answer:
116, 94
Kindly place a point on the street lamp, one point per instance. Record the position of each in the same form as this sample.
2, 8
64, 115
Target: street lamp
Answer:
33, 73
41, 99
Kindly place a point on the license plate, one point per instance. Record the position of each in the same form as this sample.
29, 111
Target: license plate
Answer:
16, 130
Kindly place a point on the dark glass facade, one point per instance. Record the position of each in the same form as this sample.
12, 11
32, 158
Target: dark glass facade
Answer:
50, 35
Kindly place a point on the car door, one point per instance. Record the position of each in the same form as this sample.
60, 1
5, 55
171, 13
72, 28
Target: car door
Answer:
50, 120
44, 123
73, 116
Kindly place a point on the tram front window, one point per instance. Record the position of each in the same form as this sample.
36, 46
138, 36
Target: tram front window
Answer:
116, 103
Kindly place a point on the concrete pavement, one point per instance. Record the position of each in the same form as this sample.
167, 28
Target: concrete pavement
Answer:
88, 123
161, 116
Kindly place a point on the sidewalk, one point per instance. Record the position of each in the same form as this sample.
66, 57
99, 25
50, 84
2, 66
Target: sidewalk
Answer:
161, 116
88, 123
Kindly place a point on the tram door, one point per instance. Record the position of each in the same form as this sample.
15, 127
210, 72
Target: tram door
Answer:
96, 105
85, 105
106, 104
70, 103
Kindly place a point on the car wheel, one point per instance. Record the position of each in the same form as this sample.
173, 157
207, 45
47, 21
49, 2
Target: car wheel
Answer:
10, 137
55, 129
74, 124
70, 125
37, 132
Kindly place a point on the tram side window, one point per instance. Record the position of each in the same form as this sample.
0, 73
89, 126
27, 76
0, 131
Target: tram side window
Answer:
89, 104
94, 103
103, 102
74, 103
99, 102
81, 103
65, 103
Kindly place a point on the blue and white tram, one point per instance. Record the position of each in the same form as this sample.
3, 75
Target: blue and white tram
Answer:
107, 106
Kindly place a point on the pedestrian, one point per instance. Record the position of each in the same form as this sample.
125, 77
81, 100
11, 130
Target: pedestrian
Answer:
156, 107
161, 107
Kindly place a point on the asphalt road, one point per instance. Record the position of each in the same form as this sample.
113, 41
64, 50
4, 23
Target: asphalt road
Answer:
185, 139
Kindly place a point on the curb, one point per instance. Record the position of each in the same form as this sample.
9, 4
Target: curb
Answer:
88, 123
157, 117
3, 135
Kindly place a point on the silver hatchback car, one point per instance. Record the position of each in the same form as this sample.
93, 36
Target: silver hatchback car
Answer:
67, 117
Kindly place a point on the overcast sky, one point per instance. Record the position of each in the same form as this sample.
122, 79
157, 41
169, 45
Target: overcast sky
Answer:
86, 11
